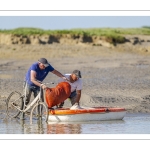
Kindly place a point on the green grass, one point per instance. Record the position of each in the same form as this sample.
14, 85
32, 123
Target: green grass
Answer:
114, 34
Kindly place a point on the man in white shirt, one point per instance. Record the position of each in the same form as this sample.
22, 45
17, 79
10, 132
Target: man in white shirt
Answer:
75, 81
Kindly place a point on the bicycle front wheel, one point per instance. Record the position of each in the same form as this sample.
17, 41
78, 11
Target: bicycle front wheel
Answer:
39, 112
14, 104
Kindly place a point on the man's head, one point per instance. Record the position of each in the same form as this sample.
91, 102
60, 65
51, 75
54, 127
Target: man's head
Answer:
76, 74
43, 63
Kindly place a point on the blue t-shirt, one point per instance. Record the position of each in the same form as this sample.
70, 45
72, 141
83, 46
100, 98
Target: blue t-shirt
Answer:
40, 74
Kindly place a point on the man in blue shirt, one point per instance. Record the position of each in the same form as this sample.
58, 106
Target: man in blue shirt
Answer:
38, 72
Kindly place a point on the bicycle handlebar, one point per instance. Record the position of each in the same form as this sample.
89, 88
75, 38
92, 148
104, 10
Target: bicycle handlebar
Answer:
48, 83
45, 83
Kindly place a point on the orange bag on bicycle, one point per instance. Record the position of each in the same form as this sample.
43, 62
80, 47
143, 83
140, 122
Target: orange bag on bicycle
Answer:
58, 94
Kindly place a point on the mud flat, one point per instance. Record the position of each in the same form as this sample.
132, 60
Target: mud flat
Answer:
117, 77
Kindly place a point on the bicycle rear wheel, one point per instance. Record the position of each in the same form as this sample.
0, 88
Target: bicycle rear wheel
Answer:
39, 112
14, 102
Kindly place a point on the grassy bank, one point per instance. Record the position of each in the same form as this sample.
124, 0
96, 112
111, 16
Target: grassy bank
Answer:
117, 34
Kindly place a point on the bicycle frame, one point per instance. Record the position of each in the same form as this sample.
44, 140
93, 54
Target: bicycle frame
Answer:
37, 98
16, 106
33, 102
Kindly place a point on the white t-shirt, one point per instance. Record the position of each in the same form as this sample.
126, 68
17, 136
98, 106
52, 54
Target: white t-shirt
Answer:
77, 85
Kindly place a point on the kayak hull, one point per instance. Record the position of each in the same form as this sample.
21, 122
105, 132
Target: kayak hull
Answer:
86, 114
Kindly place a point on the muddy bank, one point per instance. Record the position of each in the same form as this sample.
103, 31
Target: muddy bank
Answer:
68, 39
114, 78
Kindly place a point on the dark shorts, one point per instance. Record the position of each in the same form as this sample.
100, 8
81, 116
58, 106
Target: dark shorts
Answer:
73, 94
72, 98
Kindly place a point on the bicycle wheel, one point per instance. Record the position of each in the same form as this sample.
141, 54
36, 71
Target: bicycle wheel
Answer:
14, 102
39, 112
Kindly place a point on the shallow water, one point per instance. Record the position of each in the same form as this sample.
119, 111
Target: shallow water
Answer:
131, 124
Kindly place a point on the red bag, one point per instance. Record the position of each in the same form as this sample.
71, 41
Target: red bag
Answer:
56, 95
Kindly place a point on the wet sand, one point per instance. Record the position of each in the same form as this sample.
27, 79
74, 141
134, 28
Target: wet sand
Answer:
110, 78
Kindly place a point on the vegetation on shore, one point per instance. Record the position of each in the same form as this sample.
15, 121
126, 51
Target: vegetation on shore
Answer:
116, 34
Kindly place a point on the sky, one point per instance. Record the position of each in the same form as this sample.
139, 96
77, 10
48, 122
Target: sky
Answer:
70, 14
72, 22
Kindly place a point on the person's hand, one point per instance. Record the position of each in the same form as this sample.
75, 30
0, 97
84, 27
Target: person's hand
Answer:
43, 86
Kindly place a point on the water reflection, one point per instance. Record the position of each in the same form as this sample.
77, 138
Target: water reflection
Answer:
17, 126
38, 127
10, 126
63, 128
131, 124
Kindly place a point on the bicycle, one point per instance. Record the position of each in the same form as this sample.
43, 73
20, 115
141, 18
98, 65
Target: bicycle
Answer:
15, 104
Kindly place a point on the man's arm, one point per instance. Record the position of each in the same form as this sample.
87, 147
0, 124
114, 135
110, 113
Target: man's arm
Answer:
59, 74
78, 96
